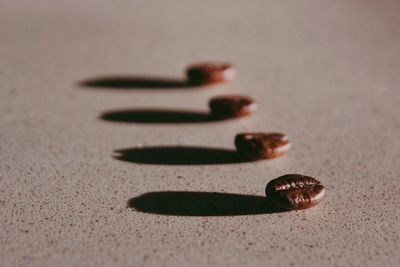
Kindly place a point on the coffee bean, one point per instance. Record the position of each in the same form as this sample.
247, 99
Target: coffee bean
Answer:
294, 192
208, 73
232, 106
262, 145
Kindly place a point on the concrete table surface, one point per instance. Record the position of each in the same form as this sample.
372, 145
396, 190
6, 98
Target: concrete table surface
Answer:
72, 178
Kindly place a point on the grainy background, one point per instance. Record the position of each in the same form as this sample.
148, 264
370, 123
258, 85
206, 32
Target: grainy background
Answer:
324, 72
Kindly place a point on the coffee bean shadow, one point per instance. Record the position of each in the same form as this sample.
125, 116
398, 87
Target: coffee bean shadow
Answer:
158, 116
179, 155
182, 203
136, 82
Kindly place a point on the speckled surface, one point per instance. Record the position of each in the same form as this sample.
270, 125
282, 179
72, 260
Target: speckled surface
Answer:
326, 73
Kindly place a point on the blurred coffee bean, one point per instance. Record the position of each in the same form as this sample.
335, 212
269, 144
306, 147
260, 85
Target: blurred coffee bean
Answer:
262, 145
209, 73
231, 106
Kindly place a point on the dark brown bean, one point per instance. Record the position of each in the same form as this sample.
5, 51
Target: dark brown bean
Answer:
262, 145
208, 73
294, 192
232, 106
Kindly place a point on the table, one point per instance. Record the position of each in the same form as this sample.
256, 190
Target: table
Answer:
75, 73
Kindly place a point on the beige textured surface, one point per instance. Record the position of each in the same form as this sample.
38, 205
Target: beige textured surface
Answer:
324, 72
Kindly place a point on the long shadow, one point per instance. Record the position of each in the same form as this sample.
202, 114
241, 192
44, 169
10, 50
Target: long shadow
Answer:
182, 203
179, 155
158, 116
138, 82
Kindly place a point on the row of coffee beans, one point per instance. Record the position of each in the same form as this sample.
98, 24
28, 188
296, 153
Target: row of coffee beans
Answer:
288, 192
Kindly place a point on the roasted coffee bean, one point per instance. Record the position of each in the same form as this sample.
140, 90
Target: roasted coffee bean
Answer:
262, 145
232, 106
294, 192
208, 73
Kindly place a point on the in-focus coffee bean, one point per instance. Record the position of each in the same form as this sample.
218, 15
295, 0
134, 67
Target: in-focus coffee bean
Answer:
231, 106
262, 145
294, 192
208, 73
